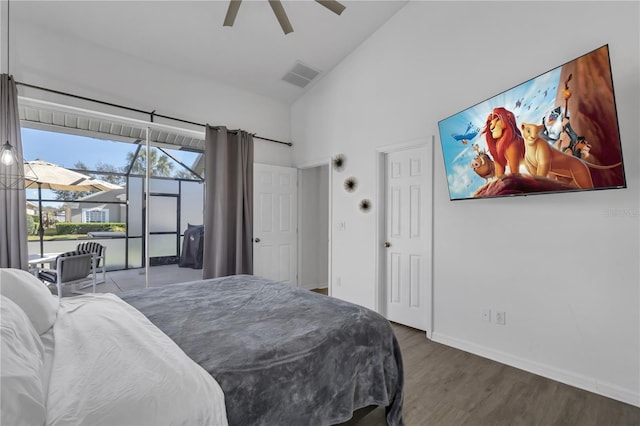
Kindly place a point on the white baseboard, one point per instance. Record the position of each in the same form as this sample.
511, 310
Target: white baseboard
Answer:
609, 390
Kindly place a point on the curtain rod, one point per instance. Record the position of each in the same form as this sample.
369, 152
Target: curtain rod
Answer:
152, 114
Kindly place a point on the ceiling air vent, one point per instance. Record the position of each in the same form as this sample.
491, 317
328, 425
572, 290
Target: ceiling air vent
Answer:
300, 75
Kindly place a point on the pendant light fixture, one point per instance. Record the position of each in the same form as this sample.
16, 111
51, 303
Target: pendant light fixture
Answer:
8, 155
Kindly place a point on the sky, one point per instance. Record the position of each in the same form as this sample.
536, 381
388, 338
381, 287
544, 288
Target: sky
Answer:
66, 150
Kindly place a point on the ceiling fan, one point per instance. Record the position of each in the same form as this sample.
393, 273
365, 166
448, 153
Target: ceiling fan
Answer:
278, 10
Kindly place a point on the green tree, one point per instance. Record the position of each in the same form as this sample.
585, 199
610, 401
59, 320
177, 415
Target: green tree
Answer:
184, 174
31, 224
160, 165
111, 178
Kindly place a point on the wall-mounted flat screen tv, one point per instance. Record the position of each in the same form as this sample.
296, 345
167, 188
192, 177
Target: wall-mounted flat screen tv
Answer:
556, 132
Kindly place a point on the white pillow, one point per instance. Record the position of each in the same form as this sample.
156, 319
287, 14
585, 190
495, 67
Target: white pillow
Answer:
21, 362
33, 297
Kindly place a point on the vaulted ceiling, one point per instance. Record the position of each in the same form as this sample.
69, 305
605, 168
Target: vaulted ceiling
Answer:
254, 54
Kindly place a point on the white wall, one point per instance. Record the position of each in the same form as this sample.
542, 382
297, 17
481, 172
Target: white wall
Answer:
564, 268
73, 65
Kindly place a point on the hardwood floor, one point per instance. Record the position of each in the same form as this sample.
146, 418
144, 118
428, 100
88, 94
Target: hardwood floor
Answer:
448, 387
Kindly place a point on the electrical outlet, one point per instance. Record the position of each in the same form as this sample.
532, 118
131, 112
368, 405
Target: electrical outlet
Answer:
339, 282
501, 317
486, 315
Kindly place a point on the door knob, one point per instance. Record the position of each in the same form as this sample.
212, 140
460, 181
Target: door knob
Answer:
387, 244
257, 240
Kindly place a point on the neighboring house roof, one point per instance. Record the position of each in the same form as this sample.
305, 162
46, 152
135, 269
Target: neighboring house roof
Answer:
97, 197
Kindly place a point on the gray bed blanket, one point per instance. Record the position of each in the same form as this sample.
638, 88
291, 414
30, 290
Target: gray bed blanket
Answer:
282, 355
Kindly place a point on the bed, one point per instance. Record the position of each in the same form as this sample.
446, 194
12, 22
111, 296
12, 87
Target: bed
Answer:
237, 350
93, 360
282, 355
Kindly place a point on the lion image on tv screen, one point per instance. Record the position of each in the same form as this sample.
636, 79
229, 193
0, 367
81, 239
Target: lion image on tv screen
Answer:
541, 159
504, 141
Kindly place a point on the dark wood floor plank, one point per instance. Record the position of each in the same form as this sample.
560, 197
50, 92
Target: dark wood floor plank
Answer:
448, 387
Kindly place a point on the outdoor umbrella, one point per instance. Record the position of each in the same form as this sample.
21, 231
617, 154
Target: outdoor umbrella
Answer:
43, 175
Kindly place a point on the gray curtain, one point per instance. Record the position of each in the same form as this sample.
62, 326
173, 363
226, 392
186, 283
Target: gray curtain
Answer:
228, 211
13, 203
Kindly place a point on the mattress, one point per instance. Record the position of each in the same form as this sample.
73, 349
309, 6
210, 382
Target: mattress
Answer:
282, 355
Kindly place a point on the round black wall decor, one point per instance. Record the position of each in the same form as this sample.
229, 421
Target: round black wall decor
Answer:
350, 184
338, 162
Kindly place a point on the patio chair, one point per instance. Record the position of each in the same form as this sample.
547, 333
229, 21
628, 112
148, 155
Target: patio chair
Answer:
71, 267
99, 252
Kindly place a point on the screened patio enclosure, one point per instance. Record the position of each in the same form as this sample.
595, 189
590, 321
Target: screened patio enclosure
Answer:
173, 172
173, 205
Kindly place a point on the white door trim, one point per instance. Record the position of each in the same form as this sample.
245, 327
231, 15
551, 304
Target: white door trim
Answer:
310, 165
381, 153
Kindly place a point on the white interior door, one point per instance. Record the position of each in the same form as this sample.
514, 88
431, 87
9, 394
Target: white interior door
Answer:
407, 236
275, 222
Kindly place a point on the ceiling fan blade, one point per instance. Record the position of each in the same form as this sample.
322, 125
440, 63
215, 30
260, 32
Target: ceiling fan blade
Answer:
278, 10
232, 11
333, 6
